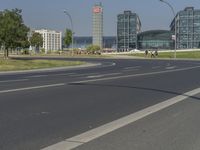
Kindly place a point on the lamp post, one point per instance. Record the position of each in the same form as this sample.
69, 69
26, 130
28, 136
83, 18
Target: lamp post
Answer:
72, 28
174, 24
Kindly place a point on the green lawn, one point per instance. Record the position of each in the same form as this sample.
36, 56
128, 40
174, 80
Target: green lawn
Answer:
193, 54
13, 64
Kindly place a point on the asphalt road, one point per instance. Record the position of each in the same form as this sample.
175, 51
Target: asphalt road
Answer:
39, 109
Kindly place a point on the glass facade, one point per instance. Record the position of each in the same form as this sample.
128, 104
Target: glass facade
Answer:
155, 39
83, 41
128, 26
187, 28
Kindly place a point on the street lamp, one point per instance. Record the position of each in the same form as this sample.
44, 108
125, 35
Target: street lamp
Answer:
72, 28
174, 23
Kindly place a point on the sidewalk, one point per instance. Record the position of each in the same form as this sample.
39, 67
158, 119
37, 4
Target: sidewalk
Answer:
173, 128
169, 125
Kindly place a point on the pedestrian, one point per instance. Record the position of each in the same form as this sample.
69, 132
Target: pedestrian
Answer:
146, 53
152, 54
156, 53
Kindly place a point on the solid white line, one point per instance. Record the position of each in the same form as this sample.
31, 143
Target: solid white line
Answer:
136, 75
19, 80
31, 88
83, 138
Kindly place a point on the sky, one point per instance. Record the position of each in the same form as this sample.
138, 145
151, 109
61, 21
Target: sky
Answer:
49, 14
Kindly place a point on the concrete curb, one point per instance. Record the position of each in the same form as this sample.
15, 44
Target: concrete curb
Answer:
143, 58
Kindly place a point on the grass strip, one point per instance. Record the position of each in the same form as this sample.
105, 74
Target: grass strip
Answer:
14, 65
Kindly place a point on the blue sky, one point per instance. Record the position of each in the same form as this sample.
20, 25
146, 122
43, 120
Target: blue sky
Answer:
49, 13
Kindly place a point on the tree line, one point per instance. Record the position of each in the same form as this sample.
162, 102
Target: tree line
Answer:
14, 33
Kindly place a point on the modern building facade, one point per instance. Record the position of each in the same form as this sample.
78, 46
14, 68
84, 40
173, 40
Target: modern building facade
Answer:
128, 26
155, 39
97, 23
52, 40
187, 28
82, 42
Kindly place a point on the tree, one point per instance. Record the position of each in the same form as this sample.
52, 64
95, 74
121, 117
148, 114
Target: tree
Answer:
68, 37
36, 40
93, 49
13, 32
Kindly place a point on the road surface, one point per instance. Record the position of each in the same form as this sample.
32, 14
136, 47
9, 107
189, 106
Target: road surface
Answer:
40, 109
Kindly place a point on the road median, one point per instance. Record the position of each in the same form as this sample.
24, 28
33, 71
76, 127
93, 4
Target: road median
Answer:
38, 65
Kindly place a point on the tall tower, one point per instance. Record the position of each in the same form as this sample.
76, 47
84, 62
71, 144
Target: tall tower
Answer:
97, 24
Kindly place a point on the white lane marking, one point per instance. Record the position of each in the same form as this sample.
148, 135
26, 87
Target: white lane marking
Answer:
111, 64
19, 80
107, 65
60, 74
103, 75
172, 67
156, 67
37, 76
132, 67
90, 135
32, 88
136, 75
130, 70
111, 74
84, 74
95, 76
63, 74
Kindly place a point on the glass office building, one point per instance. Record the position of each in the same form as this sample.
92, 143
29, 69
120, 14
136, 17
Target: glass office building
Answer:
187, 28
128, 26
82, 42
155, 39
97, 32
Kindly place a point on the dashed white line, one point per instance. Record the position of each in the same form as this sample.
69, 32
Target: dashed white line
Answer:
132, 67
136, 75
172, 67
86, 74
103, 75
129, 70
63, 74
50, 75
36, 76
97, 76
32, 88
156, 67
18, 80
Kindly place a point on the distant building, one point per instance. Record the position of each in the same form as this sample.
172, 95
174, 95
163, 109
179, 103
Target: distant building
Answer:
128, 26
188, 28
155, 39
81, 42
97, 23
52, 40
